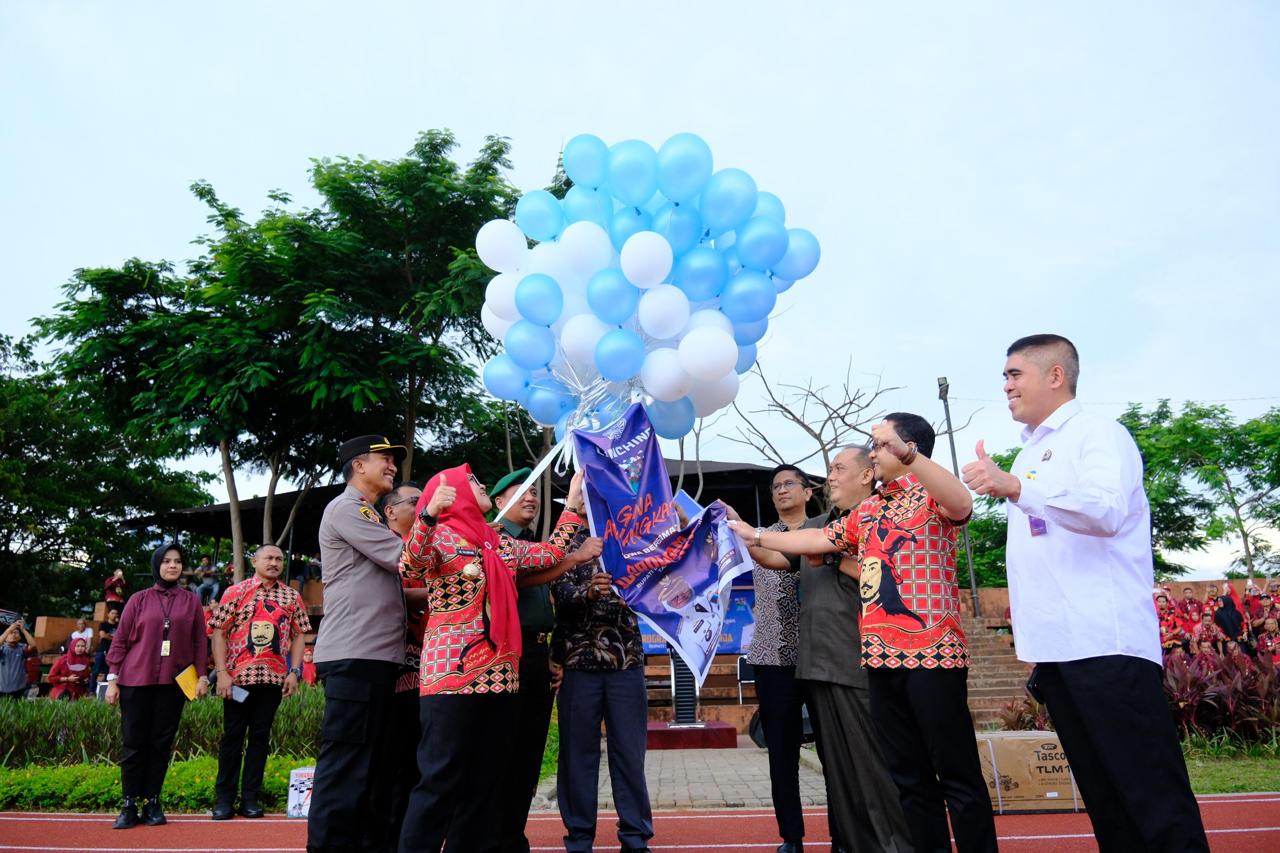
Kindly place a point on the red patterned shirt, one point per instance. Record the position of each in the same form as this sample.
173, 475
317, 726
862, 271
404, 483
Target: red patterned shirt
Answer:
260, 623
449, 566
910, 603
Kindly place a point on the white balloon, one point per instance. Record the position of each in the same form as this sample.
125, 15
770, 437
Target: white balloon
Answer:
663, 377
709, 397
646, 258
709, 317
586, 247
707, 353
493, 324
500, 295
501, 245
579, 337
663, 311
548, 259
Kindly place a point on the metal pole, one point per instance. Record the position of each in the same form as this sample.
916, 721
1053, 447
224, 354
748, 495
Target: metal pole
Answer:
943, 388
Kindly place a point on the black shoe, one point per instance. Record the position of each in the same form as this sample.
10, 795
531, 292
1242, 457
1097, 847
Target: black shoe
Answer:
128, 817
635, 850
151, 813
791, 847
250, 808
223, 811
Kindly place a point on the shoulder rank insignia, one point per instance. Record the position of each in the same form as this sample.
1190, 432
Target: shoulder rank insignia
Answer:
369, 514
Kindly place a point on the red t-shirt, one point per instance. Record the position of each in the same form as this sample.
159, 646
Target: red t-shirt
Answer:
262, 621
910, 601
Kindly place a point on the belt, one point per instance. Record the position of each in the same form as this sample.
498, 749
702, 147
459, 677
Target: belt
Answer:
539, 637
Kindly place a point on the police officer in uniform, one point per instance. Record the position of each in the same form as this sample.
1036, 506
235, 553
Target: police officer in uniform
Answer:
359, 650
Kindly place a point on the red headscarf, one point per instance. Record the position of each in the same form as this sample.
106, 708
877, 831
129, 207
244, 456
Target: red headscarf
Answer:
501, 619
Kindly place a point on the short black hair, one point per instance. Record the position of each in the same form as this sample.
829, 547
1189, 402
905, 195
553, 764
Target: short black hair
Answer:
348, 468
386, 497
914, 428
1070, 357
804, 478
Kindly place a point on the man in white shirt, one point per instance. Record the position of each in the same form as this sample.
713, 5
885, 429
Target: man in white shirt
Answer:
1080, 576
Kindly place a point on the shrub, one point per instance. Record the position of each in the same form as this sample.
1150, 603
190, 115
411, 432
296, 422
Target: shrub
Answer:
88, 731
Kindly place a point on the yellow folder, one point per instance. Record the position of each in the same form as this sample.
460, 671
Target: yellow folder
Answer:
187, 681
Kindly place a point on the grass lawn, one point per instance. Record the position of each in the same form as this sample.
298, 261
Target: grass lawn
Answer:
1232, 775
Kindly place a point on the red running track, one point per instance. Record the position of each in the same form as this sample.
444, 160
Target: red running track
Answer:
1237, 823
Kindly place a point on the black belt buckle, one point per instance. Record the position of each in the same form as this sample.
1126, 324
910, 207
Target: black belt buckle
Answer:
540, 638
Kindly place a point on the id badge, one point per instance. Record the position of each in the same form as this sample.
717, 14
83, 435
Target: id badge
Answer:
164, 648
1038, 527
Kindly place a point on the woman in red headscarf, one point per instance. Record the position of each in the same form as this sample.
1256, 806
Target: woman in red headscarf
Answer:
471, 655
69, 674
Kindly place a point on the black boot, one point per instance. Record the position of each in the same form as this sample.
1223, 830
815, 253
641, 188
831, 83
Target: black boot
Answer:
128, 817
249, 806
222, 809
791, 847
151, 813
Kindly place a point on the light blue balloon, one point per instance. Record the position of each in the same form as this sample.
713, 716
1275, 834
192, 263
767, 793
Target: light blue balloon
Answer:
801, 257
761, 243
627, 221
612, 298
749, 296
731, 260
780, 284
684, 166
701, 273
728, 200
505, 379
680, 224
671, 420
562, 426
583, 204
548, 400
619, 355
586, 160
633, 172
539, 299
531, 346
749, 333
608, 410
770, 206
746, 358
539, 215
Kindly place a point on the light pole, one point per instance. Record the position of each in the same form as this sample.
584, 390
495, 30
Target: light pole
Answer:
943, 388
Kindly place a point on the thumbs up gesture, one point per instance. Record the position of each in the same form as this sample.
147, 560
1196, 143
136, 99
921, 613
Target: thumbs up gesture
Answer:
985, 477
443, 498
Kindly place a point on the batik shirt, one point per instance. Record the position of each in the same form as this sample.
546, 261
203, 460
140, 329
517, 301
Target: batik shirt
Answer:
261, 623
439, 556
906, 549
600, 635
776, 612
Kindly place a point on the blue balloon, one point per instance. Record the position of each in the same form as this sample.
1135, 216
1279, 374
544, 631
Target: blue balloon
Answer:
608, 410
780, 284
531, 346
684, 166
539, 299
586, 160
746, 358
749, 333
671, 420
770, 206
562, 426
728, 200
680, 224
612, 298
585, 204
539, 215
627, 221
548, 400
748, 297
701, 273
633, 172
732, 260
505, 379
761, 243
619, 355
801, 258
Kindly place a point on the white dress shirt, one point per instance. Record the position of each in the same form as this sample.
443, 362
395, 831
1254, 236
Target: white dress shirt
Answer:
1082, 588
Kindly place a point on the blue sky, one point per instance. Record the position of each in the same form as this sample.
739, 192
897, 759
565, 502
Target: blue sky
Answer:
975, 171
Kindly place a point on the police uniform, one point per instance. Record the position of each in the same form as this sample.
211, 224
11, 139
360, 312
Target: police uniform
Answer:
358, 654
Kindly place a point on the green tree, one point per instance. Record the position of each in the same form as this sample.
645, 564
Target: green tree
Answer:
68, 478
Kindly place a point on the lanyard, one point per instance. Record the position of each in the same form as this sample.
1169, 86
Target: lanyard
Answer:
166, 607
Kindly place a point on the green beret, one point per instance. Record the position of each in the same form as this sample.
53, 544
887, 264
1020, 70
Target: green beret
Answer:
512, 479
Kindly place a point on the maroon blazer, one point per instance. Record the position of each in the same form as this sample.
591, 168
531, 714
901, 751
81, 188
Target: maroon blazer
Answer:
135, 650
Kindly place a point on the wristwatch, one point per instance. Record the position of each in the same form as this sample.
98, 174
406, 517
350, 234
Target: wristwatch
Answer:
111, 676
295, 670
759, 530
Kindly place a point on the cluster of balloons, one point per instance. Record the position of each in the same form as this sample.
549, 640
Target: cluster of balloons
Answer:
652, 280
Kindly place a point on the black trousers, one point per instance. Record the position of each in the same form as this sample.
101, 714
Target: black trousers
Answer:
253, 716
922, 717
149, 718
533, 718
355, 746
781, 715
1123, 747
464, 752
618, 699
403, 775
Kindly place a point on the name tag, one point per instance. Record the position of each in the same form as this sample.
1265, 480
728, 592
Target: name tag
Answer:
164, 648
1038, 527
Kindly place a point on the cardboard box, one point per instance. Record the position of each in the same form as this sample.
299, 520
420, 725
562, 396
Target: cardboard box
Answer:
1027, 772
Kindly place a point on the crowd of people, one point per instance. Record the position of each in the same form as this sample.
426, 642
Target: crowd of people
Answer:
1221, 625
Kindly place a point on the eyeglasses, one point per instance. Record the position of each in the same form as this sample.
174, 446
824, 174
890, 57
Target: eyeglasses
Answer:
472, 478
783, 485
398, 501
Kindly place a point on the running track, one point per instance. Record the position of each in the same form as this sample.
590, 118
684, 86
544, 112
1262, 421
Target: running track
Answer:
1237, 823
